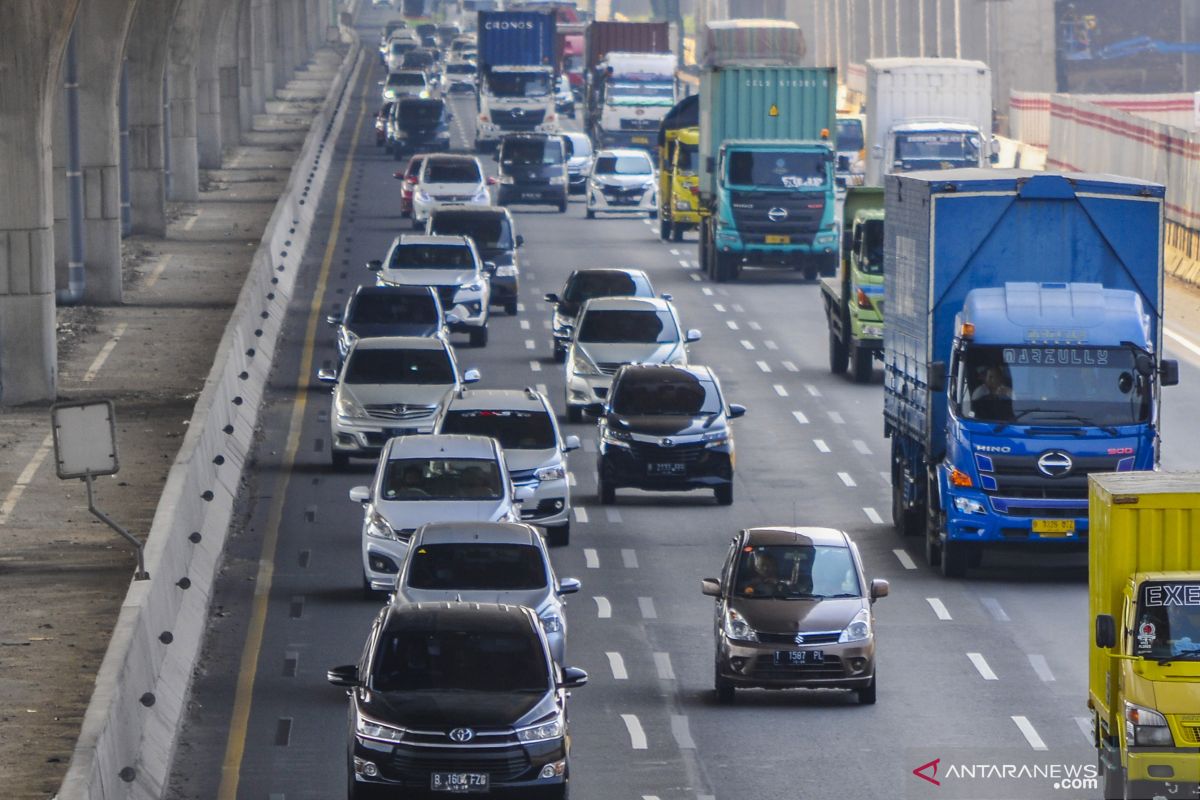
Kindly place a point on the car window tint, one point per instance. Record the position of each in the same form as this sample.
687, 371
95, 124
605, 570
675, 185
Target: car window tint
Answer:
455, 660
399, 366
515, 430
491, 232
431, 256
442, 479
779, 571
638, 394
456, 171
371, 308
628, 326
586, 285
477, 566
622, 165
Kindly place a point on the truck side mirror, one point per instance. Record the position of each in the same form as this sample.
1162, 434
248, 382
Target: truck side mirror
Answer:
1168, 372
1106, 631
936, 376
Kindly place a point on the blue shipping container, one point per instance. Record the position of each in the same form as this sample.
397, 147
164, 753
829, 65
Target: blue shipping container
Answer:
515, 39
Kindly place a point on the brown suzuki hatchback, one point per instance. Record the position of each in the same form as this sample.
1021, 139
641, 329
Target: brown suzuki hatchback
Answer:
794, 611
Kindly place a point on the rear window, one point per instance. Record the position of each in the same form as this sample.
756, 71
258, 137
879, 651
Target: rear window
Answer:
514, 430
456, 171
420, 112
417, 58
372, 308
481, 566
586, 285
532, 151
406, 79
399, 366
431, 256
491, 232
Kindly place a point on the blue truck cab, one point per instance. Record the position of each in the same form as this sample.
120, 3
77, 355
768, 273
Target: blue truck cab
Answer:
1022, 352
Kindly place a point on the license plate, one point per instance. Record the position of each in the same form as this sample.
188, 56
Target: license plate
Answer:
786, 657
668, 468
399, 431
777, 239
1054, 527
640, 139
459, 782
531, 196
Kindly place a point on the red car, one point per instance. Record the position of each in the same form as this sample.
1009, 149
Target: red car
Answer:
409, 181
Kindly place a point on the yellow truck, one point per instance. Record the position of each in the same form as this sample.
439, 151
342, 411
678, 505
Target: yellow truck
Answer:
678, 182
1144, 601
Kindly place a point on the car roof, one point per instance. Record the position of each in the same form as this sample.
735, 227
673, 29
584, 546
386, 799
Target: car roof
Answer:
626, 304
399, 343
497, 400
623, 151
452, 157
430, 239
468, 532
458, 616
477, 212
395, 289
796, 535
449, 445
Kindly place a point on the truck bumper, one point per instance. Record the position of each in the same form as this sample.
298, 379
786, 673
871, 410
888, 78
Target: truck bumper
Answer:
970, 517
1177, 765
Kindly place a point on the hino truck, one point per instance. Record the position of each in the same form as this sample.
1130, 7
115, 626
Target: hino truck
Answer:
927, 113
1022, 352
516, 76
630, 82
853, 298
1144, 658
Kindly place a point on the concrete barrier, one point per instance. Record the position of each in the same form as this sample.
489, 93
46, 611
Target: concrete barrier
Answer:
130, 728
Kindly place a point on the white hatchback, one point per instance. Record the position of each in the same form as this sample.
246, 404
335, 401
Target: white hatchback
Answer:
622, 182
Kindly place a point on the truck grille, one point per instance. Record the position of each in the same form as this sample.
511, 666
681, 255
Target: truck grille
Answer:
1016, 477
795, 214
686, 453
523, 121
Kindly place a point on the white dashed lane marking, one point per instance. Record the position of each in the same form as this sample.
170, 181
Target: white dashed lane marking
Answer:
591, 558
861, 447
617, 665
821, 446
846, 479
581, 515
799, 415
1029, 732
1041, 667
981, 665
780, 390
637, 736
603, 607
764, 366
646, 606
679, 729
662, 664
629, 558
939, 608
790, 367
746, 343
905, 559
993, 607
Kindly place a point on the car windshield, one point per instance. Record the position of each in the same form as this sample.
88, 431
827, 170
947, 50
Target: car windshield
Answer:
578, 146
477, 566
622, 165
403, 46
668, 394
371, 366
588, 284
417, 59
519, 84
685, 158
514, 430
1052, 386
1168, 619
492, 661
849, 134
432, 256
492, 232
381, 308
628, 326
406, 79
796, 572
441, 479
941, 150
871, 248
531, 151
778, 170
417, 113
438, 170
460, 69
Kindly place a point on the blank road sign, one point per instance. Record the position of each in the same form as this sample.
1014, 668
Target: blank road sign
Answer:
85, 439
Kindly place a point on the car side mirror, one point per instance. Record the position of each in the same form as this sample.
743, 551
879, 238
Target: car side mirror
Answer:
736, 410
573, 678
343, 676
398, 175
520, 240
693, 335
1168, 372
471, 376
879, 588
327, 375
572, 443
710, 587
667, 296
994, 158
491, 181
361, 494
375, 265
569, 586
936, 376
1106, 631
551, 297
333, 319
489, 267
593, 411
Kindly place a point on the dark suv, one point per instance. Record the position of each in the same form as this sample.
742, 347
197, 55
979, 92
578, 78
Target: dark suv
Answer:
666, 428
457, 698
419, 124
496, 240
533, 170
584, 284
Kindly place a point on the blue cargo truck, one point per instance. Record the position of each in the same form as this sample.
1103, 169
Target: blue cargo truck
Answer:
1023, 351
516, 76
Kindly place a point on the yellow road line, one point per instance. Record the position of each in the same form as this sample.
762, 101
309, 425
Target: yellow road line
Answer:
235, 746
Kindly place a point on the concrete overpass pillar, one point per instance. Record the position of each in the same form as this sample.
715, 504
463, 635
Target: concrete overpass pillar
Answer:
285, 38
219, 35
245, 68
317, 18
261, 49
32, 42
185, 159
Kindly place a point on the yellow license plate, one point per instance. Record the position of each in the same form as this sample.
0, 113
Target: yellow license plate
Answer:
1054, 527
640, 140
775, 239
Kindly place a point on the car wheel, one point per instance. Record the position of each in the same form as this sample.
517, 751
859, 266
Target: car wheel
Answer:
560, 356
664, 229
933, 550
590, 214
866, 695
574, 413
653, 214
340, 461
510, 307
724, 494
479, 336
863, 364
558, 535
607, 492
724, 688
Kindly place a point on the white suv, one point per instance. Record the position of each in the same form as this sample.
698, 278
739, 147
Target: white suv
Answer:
389, 386
451, 265
448, 180
420, 479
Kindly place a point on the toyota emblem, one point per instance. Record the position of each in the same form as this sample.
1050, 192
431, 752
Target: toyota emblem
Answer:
1054, 464
777, 214
462, 735
667, 442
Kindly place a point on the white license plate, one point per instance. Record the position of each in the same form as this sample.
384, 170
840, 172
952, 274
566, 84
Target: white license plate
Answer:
459, 782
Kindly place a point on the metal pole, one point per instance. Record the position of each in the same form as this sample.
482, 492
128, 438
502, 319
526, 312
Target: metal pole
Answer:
141, 573
75, 273
123, 124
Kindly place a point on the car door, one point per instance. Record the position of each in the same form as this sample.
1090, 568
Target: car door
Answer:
727, 570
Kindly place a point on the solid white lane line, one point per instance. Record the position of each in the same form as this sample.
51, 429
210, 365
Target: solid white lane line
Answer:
746, 343
25, 478
524, 324
603, 607
662, 663
780, 390
764, 366
846, 479
629, 558
617, 665
981, 665
707, 292
813, 390
591, 558
679, 729
612, 515
719, 307
1041, 667
993, 607
799, 415
187, 226
646, 606
581, 515
820, 443
731, 324
770, 345
535, 366
790, 367
861, 447
637, 736
836, 418
104, 353
939, 608
1184, 342
905, 559
158, 270
1030, 733
873, 515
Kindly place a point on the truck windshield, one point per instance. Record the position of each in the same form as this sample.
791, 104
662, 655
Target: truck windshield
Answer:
519, 84
1051, 385
942, 150
849, 135
633, 90
685, 159
1168, 619
777, 169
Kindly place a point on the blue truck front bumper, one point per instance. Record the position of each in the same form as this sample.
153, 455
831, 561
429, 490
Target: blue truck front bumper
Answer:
972, 516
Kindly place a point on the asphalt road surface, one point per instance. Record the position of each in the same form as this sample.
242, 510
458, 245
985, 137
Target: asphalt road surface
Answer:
990, 670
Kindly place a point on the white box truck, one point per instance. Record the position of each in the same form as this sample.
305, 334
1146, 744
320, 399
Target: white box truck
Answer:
927, 113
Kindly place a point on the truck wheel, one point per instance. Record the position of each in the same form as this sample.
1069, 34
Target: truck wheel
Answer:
558, 535
676, 233
956, 558
726, 267
933, 550
1112, 781
838, 357
664, 228
863, 364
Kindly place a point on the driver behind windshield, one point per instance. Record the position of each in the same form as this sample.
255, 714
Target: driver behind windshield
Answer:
1167, 630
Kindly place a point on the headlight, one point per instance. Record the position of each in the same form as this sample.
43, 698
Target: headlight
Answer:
737, 629
562, 322
858, 630
421, 195
966, 505
552, 623
716, 438
555, 473
378, 527
582, 365
543, 732
506, 271
348, 338
615, 437
347, 406
1146, 728
557, 180
482, 196
371, 729
506, 180
682, 205
424, 94
473, 286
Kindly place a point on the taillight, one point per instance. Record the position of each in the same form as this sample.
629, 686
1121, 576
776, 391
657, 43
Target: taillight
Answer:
863, 300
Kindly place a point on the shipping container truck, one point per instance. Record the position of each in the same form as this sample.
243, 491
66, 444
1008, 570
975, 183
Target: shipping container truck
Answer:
630, 82
927, 113
853, 298
568, 54
1144, 658
678, 183
1022, 352
516, 75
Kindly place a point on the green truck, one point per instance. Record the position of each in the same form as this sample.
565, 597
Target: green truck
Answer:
853, 298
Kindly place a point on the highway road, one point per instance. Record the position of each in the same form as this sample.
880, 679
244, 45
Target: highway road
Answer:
987, 670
